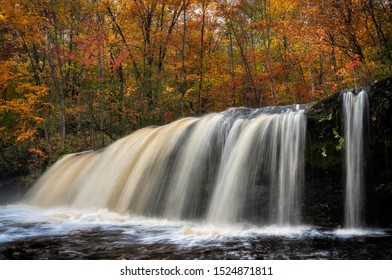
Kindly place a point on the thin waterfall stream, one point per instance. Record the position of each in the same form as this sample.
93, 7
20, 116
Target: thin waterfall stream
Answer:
355, 113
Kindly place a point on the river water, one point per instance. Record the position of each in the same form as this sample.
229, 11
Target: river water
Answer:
28, 232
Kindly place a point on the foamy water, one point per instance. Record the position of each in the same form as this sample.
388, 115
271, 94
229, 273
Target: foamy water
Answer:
347, 233
22, 221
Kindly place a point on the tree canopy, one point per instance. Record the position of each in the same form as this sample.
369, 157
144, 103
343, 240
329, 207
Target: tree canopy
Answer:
79, 74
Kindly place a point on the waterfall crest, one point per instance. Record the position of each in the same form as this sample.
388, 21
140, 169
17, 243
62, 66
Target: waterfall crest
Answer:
241, 165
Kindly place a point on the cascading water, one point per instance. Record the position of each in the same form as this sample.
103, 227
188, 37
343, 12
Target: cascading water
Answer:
355, 108
267, 156
225, 185
239, 165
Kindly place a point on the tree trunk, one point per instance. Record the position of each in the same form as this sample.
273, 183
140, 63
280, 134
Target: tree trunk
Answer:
184, 78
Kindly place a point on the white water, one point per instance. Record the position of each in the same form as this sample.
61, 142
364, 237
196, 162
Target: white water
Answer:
270, 144
237, 166
24, 221
355, 108
19, 222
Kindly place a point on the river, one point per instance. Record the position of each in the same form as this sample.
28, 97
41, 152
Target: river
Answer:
28, 232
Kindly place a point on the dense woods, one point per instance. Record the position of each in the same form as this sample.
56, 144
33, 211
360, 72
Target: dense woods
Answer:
79, 74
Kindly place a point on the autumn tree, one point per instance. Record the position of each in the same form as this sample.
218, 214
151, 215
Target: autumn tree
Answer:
77, 75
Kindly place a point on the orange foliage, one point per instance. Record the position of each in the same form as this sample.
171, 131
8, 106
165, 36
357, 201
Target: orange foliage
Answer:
100, 69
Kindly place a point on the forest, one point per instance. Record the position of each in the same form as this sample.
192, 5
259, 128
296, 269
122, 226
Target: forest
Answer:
77, 75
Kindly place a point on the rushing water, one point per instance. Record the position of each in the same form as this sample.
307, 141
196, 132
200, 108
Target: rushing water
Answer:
235, 166
28, 232
355, 108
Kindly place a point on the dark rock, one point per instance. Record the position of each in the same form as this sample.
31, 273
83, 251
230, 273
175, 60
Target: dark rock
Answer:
11, 189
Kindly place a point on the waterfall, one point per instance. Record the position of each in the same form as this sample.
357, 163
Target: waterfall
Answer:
267, 156
241, 165
355, 108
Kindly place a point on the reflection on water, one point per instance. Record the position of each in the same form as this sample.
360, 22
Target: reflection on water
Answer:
34, 233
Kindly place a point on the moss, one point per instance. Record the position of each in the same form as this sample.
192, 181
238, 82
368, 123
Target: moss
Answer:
324, 130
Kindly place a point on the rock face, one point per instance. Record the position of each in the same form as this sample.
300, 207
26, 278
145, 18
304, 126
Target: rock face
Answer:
11, 190
325, 171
